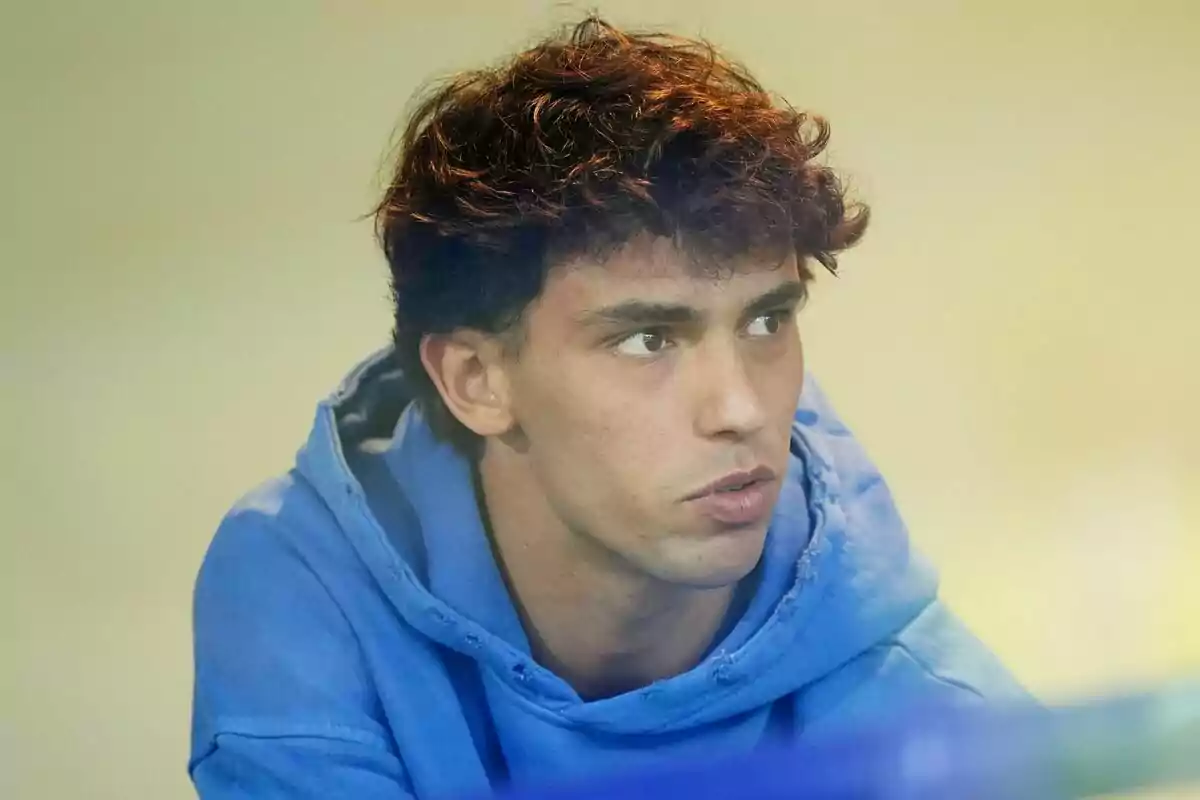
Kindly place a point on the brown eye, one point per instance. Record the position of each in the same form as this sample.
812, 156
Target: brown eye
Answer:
765, 325
642, 343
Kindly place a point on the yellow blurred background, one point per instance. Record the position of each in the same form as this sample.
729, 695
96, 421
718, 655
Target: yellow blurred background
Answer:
185, 276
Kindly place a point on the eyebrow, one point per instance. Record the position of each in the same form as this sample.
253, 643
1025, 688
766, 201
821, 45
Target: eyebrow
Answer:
649, 314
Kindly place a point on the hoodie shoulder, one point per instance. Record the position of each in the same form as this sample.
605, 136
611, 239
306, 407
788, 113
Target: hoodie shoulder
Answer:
948, 652
920, 655
932, 664
935, 640
283, 698
274, 653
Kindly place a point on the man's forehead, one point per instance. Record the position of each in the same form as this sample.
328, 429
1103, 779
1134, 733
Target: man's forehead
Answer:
661, 257
662, 273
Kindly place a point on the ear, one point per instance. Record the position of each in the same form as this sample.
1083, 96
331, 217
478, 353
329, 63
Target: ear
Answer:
468, 369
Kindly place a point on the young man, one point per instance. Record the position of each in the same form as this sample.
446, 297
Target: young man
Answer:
586, 512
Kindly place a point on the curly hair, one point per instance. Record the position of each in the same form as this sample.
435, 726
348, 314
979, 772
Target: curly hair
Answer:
573, 148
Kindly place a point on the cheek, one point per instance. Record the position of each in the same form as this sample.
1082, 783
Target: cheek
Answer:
779, 379
597, 445
593, 401
565, 421
792, 387
621, 442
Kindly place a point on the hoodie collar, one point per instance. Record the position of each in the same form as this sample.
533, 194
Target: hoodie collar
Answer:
462, 570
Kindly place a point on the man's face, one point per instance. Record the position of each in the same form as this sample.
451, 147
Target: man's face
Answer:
639, 384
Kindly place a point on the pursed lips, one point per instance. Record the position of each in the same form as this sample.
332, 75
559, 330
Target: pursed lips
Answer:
735, 481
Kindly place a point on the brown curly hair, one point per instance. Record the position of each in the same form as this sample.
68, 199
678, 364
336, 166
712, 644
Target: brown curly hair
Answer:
572, 149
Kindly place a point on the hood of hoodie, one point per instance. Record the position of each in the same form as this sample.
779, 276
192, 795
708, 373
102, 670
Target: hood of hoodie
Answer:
838, 575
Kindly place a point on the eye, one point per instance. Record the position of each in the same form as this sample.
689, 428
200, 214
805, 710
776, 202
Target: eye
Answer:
766, 324
642, 344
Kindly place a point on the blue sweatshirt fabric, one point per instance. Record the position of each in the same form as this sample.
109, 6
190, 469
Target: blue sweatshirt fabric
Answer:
354, 636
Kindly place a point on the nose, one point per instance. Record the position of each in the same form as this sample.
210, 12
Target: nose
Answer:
728, 403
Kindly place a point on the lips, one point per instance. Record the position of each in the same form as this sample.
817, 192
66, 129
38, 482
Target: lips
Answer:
735, 481
740, 498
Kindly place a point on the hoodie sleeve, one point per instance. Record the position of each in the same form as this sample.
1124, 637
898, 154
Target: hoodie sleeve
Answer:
283, 706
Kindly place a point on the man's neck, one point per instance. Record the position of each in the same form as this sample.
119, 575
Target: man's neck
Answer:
602, 648
590, 617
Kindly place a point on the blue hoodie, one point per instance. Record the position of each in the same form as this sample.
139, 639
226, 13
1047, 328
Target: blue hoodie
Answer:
354, 637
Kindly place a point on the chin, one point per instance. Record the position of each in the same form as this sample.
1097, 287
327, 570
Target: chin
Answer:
718, 561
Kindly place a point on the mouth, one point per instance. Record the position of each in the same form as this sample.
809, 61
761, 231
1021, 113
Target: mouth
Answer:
740, 498
735, 482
